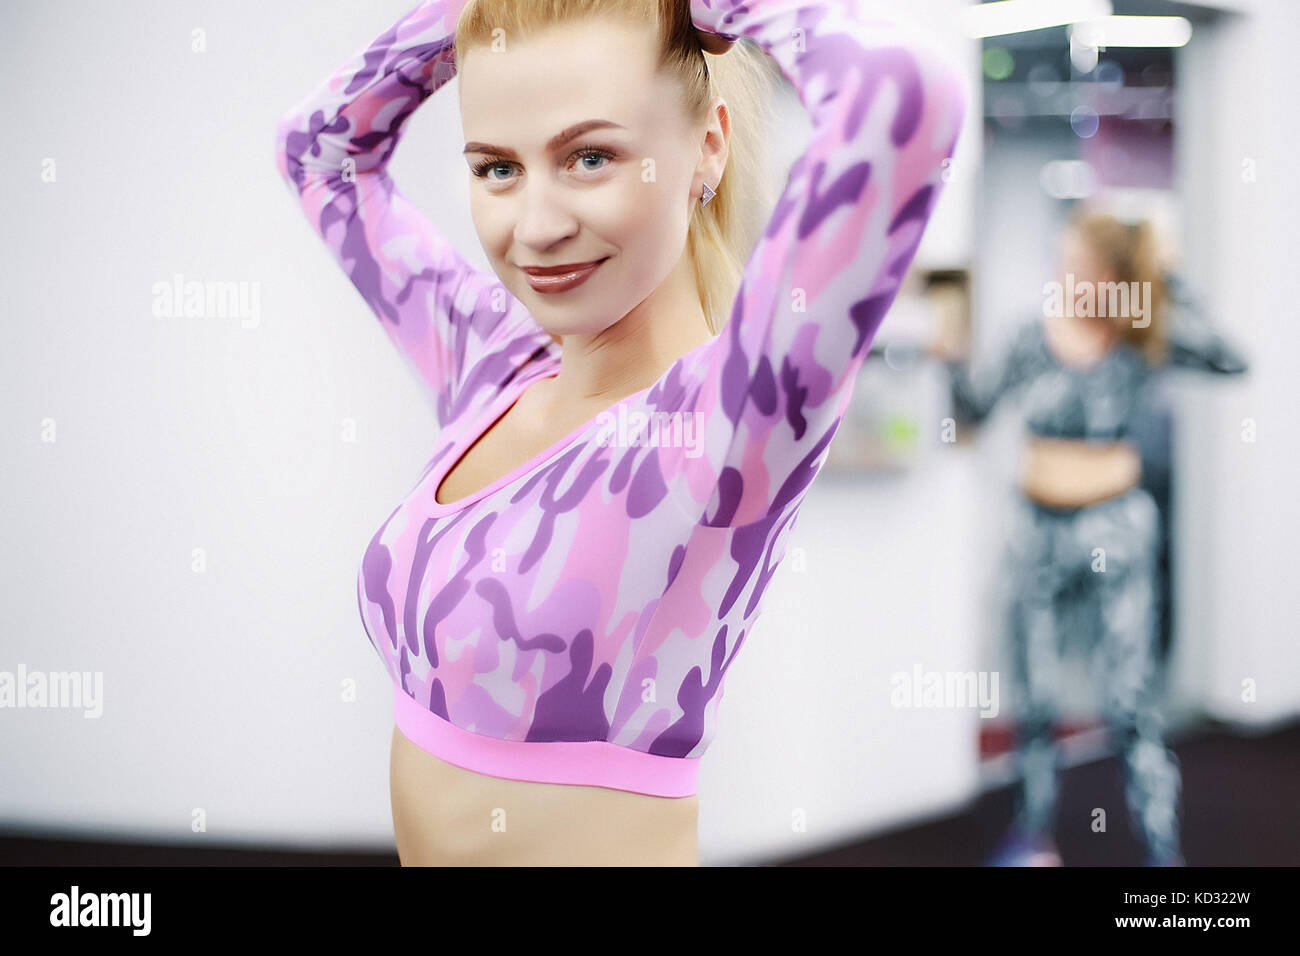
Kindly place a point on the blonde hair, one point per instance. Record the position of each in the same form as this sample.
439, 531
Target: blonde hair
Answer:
721, 235
1130, 253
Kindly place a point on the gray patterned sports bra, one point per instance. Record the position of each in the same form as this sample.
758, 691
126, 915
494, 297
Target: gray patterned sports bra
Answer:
1095, 402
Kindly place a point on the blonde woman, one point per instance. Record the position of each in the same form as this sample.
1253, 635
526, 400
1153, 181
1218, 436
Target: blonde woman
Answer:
1081, 372
633, 400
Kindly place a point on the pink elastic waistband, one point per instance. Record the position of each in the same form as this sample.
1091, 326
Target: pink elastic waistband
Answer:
593, 763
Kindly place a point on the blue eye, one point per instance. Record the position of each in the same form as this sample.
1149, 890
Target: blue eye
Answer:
481, 168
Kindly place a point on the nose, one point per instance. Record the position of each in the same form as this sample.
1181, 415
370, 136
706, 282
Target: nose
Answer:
544, 218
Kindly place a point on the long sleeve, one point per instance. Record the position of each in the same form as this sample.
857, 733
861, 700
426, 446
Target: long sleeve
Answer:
333, 150
1194, 344
976, 391
770, 390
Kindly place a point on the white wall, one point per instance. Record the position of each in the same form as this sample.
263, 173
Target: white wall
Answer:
222, 689
1237, 512
810, 750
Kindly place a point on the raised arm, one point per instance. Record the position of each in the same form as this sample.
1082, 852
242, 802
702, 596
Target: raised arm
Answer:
977, 391
333, 150
886, 110
1194, 345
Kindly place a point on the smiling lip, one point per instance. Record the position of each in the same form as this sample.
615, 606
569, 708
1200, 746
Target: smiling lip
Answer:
560, 278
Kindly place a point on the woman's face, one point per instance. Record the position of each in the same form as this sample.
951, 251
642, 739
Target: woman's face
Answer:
623, 191
1078, 257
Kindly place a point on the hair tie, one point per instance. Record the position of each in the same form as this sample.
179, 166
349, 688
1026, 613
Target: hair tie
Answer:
715, 43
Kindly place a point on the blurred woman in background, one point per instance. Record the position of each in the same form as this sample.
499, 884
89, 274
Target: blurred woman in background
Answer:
1082, 517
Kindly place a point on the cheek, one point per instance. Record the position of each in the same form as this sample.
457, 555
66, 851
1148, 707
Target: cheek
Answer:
643, 223
494, 231
647, 225
1065, 260
1078, 265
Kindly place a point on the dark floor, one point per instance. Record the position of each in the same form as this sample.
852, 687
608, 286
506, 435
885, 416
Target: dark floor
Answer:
1239, 795
1239, 799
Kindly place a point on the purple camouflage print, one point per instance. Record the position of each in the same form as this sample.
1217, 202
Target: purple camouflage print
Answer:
592, 600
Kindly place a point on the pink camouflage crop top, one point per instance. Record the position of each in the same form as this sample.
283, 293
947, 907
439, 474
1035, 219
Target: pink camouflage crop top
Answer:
573, 621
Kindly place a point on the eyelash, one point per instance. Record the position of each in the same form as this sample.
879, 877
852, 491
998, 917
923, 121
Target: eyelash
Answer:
480, 168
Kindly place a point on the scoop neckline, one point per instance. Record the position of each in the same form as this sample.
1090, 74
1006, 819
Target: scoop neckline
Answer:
497, 410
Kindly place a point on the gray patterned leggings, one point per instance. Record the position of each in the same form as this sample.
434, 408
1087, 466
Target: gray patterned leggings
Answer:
1109, 548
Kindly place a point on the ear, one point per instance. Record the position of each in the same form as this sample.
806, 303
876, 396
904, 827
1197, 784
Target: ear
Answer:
714, 148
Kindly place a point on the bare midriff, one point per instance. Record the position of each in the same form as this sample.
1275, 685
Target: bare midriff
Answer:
1067, 473
445, 815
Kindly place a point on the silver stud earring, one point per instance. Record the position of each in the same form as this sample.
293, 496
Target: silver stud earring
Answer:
707, 195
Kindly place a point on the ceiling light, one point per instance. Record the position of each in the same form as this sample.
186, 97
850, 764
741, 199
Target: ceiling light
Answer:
1019, 16
1131, 31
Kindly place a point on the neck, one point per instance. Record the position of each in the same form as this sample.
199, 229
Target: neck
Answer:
635, 351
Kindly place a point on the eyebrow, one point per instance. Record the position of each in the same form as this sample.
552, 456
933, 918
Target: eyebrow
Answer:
555, 142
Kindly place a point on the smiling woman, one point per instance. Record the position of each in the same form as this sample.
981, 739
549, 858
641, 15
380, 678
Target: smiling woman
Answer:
620, 185
558, 613
562, 277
